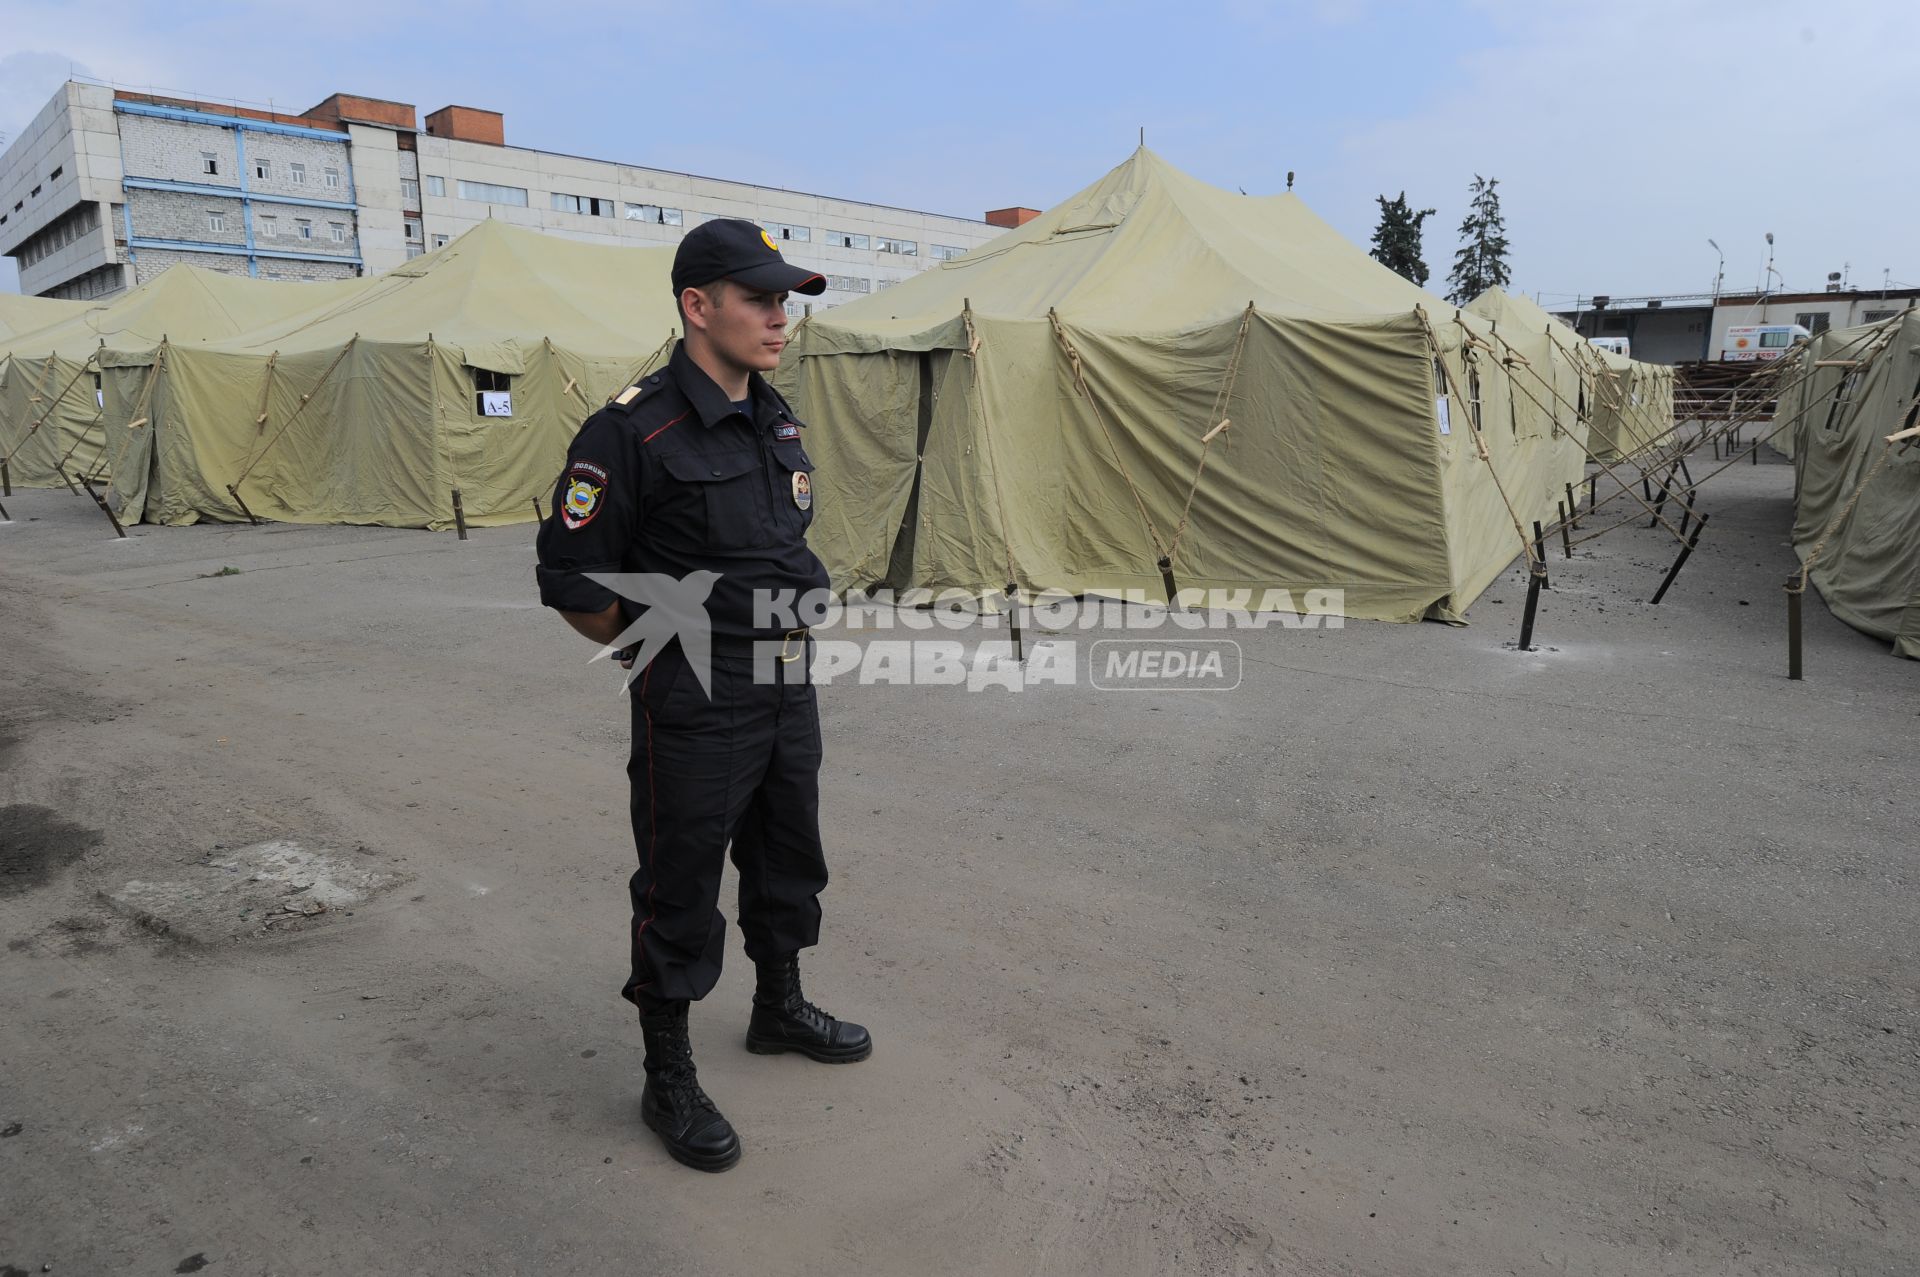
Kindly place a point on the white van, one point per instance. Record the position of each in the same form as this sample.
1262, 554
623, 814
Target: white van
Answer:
1618, 345
1760, 341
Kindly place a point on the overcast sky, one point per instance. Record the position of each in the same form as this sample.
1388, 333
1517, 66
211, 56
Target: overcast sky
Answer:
1624, 134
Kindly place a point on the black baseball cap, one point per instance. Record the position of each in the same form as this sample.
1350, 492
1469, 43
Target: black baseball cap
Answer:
731, 248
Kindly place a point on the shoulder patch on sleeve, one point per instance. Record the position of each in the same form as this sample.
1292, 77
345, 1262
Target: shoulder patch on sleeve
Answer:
580, 498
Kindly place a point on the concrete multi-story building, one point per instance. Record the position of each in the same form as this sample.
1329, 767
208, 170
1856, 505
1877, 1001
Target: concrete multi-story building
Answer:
108, 187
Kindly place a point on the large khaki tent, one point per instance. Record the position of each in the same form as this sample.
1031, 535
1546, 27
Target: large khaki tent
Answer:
20, 315
1039, 412
470, 368
1627, 404
1867, 565
55, 407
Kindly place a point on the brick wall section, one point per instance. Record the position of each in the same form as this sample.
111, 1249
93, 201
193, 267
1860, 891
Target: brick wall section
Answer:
348, 106
171, 150
282, 153
271, 269
173, 215
178, 216
468, 124
221, 108
154, 260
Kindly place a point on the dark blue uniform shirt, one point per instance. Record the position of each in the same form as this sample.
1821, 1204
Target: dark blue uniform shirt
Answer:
675, 480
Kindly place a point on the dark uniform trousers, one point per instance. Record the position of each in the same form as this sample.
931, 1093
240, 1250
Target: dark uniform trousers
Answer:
742, 766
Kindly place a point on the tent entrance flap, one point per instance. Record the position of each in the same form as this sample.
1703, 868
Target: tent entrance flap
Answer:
900, 561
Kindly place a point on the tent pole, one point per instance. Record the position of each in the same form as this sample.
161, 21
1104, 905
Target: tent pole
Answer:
459, 515
1666, 488
1681, 561
233, 490
1793, 629
97, 500
1534, 580
1166, 579
4, 516
1013, 613
1566, 538
6, 479
1540, 554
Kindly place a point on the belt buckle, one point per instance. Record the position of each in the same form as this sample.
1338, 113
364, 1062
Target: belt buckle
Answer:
788, 658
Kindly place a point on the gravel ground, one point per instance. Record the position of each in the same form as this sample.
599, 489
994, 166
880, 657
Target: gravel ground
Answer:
1411, 954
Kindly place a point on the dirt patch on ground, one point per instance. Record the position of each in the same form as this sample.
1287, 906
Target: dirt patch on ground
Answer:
36, 843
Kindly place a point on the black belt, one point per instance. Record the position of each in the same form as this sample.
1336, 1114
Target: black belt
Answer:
793, 645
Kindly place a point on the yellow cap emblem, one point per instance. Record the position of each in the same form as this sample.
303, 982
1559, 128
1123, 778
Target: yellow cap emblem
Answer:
768, 240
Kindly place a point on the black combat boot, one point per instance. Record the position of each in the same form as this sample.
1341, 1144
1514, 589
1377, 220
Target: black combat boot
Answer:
673, 1105
783, 1020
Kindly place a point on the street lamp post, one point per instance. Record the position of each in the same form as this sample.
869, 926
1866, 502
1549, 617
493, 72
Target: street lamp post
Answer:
1719, 280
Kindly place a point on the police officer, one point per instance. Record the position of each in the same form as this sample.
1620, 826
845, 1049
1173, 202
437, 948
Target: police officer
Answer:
697, 473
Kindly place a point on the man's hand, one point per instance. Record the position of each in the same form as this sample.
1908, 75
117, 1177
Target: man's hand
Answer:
602, 627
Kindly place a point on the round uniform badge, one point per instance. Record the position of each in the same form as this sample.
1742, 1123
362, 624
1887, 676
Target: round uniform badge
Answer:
581, 503
767, 239
802, 489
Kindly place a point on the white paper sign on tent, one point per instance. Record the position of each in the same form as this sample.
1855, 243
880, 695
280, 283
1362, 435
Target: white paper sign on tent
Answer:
1440, 409
496, 403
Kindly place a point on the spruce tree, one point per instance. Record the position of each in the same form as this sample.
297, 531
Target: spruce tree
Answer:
1481, 262
1396, 241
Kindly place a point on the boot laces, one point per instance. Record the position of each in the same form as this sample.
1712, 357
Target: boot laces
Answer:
679, 1081
796, 1004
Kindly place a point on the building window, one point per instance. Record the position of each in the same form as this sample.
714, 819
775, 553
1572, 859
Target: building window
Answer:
55, 175
849, 284
904, 247
845, 239
1814, 321
488, 193
209, 163
585, 205
414, 250
1875, 316
655, 215
945, 252
269, 227
303, 228
263, 169
410, 193
783, 230
216, 221
436, 185
440, 241
883, 282
333, 178
297, 173
413, 230
339, 231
